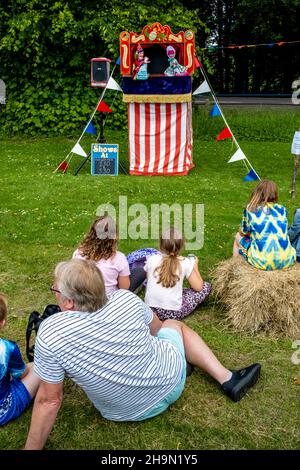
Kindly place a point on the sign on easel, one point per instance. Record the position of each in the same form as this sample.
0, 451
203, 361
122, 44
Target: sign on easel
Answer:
105, 159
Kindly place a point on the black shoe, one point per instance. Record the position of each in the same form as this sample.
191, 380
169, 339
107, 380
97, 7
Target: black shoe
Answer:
241, 381
189, 369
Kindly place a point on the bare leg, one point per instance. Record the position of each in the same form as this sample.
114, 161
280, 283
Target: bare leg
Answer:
236, 244
198, 353
31, 380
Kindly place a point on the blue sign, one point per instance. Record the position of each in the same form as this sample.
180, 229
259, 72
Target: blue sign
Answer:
105, 159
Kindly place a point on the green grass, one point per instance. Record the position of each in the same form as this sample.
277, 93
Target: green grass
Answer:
43, 217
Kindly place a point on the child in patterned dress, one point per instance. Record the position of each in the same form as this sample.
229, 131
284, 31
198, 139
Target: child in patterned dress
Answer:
263, 236
166, 272
18, 381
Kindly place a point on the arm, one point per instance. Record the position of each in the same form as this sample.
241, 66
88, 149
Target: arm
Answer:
294, 230
123, 282
47, 403
195, 280
155, 325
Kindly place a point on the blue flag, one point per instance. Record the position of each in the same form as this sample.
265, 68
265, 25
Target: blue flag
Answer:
90, 129
118, 61
215, 111
252, 176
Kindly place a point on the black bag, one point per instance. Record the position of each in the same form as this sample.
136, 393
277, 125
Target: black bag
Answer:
34, 321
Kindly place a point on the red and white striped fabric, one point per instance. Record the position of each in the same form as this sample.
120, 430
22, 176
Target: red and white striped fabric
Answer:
160, 138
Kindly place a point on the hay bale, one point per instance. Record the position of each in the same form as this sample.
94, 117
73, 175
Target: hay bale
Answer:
259, 301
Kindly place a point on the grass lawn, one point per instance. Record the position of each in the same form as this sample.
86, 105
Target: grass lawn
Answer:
43, 217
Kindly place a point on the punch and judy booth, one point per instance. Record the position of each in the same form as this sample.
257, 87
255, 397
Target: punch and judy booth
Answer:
156, 66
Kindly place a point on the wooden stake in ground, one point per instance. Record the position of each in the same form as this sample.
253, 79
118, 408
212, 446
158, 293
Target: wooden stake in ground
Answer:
296, 152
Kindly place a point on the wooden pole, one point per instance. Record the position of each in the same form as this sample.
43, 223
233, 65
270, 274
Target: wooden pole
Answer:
295, 172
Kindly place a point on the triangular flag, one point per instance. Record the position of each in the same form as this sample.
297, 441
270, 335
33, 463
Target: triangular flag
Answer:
63, 166
215, 111
203, 88
118, 61
103, 107
239, 155
78, 150
252, 176
113, 85
225, 134
90, 129
197, 62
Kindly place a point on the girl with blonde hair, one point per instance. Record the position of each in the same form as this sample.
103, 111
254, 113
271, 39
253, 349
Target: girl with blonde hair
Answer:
263, 236
166, 272
100, 245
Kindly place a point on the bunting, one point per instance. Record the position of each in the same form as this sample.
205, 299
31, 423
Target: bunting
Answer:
78, 150
215, 111
203, 88
225, 134
103, 108
113, 85
251, 176
239, 155
90, 129
241, 46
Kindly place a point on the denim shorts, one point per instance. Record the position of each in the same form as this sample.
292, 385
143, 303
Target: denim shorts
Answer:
173, 337
15, 402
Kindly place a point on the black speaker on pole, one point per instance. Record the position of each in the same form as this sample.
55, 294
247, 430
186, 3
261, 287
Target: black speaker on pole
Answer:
100, 70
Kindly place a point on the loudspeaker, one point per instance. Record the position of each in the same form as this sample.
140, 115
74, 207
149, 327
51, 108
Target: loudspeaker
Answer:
100, 70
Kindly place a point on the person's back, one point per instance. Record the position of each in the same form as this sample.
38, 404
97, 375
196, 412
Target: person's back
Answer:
263, 238
111, 355
270, 247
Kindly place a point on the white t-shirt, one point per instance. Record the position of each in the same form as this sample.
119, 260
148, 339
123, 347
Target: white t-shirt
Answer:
168, 298
111, 269
111, 355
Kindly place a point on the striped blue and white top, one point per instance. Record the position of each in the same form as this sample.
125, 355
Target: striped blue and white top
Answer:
111, 354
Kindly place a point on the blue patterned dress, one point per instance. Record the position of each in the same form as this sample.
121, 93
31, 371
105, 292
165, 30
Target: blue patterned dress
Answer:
266, 244
14, 396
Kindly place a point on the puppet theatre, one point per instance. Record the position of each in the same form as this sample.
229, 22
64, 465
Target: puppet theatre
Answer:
156, 66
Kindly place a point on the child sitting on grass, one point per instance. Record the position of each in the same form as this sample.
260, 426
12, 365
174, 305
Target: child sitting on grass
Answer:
100, 245
18, 382
166, 272
263, 236
294, 233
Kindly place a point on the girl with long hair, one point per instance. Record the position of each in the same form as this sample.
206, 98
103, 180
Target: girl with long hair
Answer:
100, 245
263, 236
166, 272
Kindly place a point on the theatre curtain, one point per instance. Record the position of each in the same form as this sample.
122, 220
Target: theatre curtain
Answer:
160, 138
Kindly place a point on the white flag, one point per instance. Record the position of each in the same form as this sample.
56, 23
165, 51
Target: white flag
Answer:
78, 150
203, 88
113, 85
239, 155
296, 144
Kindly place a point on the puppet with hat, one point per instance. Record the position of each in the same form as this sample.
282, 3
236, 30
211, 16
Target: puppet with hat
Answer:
174, 69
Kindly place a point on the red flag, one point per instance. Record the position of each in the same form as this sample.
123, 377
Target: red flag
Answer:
103, 108
197, 63
225, 134
63, 166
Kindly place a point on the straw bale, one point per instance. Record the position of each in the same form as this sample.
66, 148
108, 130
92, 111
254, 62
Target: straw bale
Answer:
259, 301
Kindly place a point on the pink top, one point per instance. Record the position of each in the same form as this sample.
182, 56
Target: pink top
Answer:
111, 269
